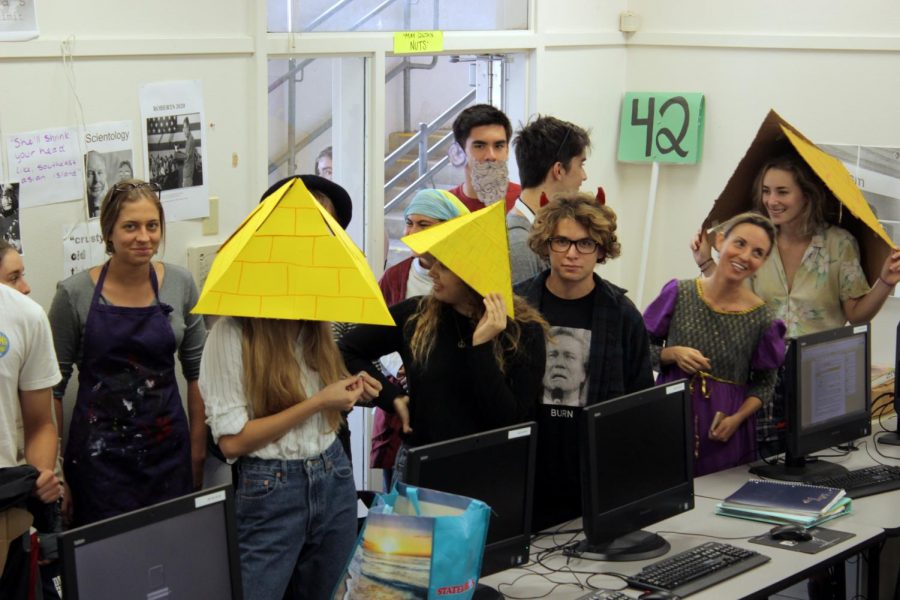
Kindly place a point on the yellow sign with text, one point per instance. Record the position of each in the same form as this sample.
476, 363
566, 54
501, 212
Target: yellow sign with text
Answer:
417, 42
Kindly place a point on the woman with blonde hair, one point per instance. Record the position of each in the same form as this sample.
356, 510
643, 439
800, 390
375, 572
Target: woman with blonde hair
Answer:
123, 323
716, 332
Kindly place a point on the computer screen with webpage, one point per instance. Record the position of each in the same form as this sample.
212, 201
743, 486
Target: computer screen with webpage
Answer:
827, 398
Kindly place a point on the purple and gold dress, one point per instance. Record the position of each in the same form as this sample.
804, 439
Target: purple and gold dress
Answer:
745, 349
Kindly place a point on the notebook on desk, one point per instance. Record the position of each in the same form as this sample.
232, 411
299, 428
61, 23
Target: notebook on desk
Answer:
785, 497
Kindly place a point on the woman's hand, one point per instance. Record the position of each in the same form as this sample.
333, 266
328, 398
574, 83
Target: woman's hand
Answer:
342, 394
890, 271
492, 322
401, 405
726, 428
690, 360
702, 251
371, 387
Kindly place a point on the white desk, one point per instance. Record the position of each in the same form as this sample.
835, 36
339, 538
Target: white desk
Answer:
691, 529
871, 518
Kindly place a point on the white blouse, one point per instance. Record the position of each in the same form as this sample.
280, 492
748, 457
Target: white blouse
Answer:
227, 409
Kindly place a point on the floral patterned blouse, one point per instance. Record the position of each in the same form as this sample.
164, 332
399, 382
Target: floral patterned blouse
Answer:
829, 274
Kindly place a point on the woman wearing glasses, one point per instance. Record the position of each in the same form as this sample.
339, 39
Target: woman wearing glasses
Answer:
122, 323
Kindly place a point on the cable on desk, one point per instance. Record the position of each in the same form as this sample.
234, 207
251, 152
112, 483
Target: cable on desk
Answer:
545, 576
706, 535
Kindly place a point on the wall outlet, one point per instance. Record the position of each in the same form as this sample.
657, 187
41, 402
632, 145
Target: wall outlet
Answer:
200, 260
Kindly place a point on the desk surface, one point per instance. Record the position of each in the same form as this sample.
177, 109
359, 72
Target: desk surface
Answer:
685, 531
870, 518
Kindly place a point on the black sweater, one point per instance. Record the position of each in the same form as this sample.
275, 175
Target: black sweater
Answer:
460, 390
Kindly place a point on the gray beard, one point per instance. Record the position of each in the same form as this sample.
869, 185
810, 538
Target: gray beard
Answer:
490, 180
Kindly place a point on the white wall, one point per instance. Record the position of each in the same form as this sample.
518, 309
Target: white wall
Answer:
807, 60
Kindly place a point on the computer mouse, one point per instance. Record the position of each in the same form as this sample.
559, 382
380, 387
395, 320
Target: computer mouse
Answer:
659, 595
793, 533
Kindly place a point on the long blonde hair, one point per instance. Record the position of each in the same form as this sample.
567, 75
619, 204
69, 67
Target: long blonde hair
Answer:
272, 379
424, 323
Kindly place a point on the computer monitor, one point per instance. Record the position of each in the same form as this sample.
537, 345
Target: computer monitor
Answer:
893, 438
496, 467
827, 400
637, 468
182, 548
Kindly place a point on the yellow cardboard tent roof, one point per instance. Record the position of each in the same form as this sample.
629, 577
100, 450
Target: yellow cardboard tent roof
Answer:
775, 137
473, 246
290, 259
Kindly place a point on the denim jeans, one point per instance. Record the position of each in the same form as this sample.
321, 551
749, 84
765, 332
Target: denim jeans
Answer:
295, 518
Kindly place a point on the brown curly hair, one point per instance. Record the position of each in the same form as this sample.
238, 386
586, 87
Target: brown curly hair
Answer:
598, 219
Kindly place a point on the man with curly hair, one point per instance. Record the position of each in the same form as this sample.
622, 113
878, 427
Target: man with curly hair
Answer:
551, 154
598, 349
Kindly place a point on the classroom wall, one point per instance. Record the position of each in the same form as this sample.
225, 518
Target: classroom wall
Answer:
746, 58
830, 70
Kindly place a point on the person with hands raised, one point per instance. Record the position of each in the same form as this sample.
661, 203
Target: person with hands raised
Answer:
470, 367
716, 332
814, 280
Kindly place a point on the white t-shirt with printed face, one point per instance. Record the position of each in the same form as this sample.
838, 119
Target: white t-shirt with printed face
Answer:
27, 362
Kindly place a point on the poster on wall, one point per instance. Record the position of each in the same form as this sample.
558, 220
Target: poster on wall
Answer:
876, 171
47, 164
18, 20
174, 142
82, 247
9, 215
108, 159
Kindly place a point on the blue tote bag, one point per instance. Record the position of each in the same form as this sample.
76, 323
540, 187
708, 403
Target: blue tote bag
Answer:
417, 544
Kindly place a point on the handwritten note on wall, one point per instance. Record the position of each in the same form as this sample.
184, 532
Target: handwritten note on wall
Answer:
47, 164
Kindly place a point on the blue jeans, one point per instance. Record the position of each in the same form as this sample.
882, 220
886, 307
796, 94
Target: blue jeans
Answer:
295, 518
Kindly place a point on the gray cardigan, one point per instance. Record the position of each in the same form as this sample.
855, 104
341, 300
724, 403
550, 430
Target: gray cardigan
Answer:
72, 301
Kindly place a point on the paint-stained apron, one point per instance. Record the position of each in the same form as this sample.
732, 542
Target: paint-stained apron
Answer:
129, 442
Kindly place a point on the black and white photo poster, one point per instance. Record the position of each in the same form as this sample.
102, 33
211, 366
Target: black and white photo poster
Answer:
108, 159
9, 215
174, 152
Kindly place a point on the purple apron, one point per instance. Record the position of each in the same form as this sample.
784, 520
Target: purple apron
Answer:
129, 442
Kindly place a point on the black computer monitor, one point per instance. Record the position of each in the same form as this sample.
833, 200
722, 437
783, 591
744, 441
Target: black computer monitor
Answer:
827, 398
182, 548
893, 438
637, 468
496, 467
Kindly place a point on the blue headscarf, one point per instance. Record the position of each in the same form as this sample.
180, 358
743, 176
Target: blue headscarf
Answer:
436, 204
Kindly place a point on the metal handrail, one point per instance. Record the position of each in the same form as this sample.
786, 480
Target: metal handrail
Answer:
415, 184
303, 143
435, 124
408, 168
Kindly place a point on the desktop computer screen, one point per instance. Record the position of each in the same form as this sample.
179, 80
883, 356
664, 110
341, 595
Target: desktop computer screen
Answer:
182, 548
636, 470
496, 467
828, 400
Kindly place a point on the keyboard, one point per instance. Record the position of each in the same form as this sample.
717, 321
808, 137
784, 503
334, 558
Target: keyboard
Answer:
697, 568
865, 482
604, 595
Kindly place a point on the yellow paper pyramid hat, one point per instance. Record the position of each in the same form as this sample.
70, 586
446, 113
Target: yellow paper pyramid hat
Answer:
775, 137
290, 259
473, 246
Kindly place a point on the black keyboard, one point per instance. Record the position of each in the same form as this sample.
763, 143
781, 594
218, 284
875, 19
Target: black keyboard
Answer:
865, 482
604, 595
697, 569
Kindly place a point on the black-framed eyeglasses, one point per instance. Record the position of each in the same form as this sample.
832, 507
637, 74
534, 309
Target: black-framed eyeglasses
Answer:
127, 187
583, 246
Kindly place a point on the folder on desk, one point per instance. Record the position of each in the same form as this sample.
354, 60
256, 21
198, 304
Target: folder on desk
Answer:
785, 502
